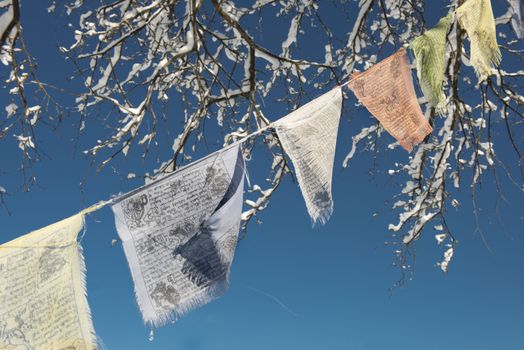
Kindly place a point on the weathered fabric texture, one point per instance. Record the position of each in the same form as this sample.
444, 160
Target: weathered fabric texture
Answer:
386, 90
309, 137
179, 235
476, 17
517, 17
430, 57
43, 301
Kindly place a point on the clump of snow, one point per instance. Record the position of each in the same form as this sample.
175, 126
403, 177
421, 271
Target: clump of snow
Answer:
11, 109
444, 264
24, 142
440, 237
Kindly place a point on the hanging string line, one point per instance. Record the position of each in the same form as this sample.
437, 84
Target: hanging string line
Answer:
99, 205
118, 198
66, 244
121, 197
217, 153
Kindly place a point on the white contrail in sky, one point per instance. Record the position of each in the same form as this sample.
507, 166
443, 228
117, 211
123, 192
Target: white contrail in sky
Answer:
284, 306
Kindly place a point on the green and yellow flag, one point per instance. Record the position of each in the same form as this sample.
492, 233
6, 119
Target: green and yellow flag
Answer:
476, 17
430, 55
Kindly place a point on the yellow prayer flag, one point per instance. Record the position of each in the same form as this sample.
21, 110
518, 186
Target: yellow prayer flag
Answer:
43, 303
476, 17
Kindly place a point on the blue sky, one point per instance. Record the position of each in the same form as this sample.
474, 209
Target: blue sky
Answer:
292, 286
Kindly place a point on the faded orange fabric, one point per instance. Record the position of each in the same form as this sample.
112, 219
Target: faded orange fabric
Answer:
386, 90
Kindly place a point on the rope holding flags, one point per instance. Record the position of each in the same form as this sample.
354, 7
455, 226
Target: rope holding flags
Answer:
476, 17
179, 231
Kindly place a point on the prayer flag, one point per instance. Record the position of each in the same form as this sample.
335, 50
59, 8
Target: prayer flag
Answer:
309, 137
430, 54
180, 232
43, 301
386, 90
476, 17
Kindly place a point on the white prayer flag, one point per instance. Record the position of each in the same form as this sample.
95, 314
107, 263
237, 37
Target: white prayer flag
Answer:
179, 235
309, 137
43, 301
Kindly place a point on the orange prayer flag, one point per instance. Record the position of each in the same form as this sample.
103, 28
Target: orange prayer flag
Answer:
386, 90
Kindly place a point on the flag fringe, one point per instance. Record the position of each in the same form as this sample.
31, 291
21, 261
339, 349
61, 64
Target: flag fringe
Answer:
202, 298
83, 280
